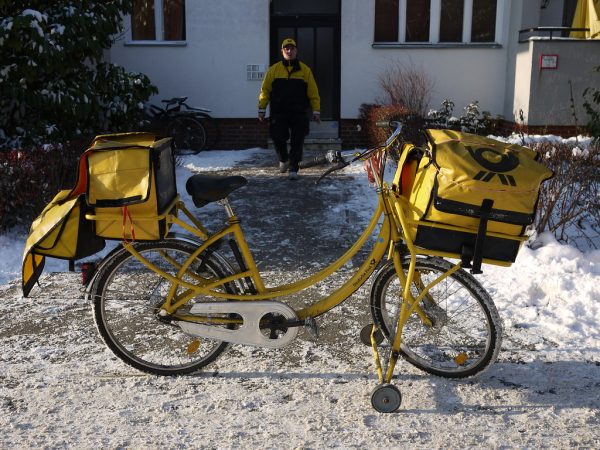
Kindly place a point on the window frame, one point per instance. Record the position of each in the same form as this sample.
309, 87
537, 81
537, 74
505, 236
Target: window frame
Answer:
159, 28
434, 28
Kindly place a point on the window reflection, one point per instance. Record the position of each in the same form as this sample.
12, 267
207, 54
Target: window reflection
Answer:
483, 28
417, 20
386, 20
142, 20
174, 20
451, 22
146, 13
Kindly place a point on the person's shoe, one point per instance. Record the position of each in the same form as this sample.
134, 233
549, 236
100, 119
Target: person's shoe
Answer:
283, 166
293, 175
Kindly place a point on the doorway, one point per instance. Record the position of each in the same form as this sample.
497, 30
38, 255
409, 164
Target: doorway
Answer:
315, 26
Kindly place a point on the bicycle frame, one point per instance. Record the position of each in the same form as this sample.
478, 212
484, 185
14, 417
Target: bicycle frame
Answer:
390, 211
387, 234
393, 241
192, 296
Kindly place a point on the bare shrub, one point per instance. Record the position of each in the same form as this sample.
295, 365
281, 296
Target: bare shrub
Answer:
569, 204
408, 87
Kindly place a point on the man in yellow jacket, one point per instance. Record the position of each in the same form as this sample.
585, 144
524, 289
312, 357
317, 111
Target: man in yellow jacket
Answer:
290, 87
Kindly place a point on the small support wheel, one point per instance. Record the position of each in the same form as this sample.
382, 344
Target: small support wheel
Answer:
386, 398
365, 335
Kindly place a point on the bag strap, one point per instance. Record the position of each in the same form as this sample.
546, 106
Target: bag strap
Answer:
81, 183
486, 208
127, 216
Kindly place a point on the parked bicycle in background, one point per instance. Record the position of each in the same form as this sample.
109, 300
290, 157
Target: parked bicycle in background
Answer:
192, 128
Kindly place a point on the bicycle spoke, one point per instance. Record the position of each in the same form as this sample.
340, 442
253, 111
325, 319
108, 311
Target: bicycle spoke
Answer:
464, 338
127, 296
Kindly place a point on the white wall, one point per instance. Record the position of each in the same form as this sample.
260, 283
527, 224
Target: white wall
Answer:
517, 12
530, 13
552, 15
550, 90
544, 95
222, 38
522, 86
460, 74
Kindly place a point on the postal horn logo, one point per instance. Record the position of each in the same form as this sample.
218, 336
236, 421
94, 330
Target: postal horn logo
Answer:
495, 163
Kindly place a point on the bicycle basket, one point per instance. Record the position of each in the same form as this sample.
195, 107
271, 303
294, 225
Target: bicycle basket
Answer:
130, 177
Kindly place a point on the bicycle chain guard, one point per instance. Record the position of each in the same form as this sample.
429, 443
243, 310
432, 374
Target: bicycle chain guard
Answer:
249, 333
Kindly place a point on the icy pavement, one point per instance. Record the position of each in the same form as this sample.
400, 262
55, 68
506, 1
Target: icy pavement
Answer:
61, 388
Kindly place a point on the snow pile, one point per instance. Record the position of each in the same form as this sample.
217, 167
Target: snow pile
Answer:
581, 142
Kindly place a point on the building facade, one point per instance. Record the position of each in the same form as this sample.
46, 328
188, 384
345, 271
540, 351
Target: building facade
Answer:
215, 52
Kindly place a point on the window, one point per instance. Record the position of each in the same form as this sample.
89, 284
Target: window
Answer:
142, 20
483, 28
158, 20
451, 20
437, 21
386, 20
417, 20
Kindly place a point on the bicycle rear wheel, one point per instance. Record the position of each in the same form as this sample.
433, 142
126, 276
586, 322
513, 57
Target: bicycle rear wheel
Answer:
127, 296
211, 126
466, 333
189, 135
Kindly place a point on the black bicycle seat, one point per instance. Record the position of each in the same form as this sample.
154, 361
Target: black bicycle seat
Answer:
205, 189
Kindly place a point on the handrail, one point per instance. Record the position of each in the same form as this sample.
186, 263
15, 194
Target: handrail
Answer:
550, 30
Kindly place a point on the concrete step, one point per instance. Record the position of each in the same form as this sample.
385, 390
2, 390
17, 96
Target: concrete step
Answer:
327, 129
322, 136
317, 144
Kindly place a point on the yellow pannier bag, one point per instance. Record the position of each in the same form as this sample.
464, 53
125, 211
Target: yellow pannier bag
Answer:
60, 231
131, 185
462, 180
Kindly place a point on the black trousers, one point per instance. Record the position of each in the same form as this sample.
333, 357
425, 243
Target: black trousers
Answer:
292, 126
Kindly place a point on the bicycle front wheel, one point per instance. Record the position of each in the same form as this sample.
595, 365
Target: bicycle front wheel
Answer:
465, 335
189, 135
127, 297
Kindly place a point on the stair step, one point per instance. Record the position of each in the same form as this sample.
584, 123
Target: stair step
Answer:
317, 144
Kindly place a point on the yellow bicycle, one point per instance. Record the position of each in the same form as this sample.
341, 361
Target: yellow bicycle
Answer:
172, 306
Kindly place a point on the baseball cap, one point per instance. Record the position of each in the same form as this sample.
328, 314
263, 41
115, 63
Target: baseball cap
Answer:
288, 41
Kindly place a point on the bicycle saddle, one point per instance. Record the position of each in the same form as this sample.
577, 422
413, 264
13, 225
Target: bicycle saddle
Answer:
210, 188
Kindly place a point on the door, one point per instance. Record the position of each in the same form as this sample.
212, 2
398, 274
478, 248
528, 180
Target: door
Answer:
315, 26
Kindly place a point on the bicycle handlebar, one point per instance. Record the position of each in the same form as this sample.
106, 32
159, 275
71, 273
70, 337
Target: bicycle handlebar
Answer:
340, 165
388, 123
330, 157
397, 125
172, 101
398, 129
173, 107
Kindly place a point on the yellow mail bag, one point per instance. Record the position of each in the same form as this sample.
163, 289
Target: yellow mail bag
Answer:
461, 180
60, 231
131, 184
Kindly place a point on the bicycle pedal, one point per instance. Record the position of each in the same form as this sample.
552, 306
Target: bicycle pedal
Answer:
310, 325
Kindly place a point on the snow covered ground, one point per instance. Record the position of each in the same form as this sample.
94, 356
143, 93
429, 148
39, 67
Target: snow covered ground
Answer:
61, 388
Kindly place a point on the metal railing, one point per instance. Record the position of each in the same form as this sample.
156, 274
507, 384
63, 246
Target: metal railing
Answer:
547, 31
